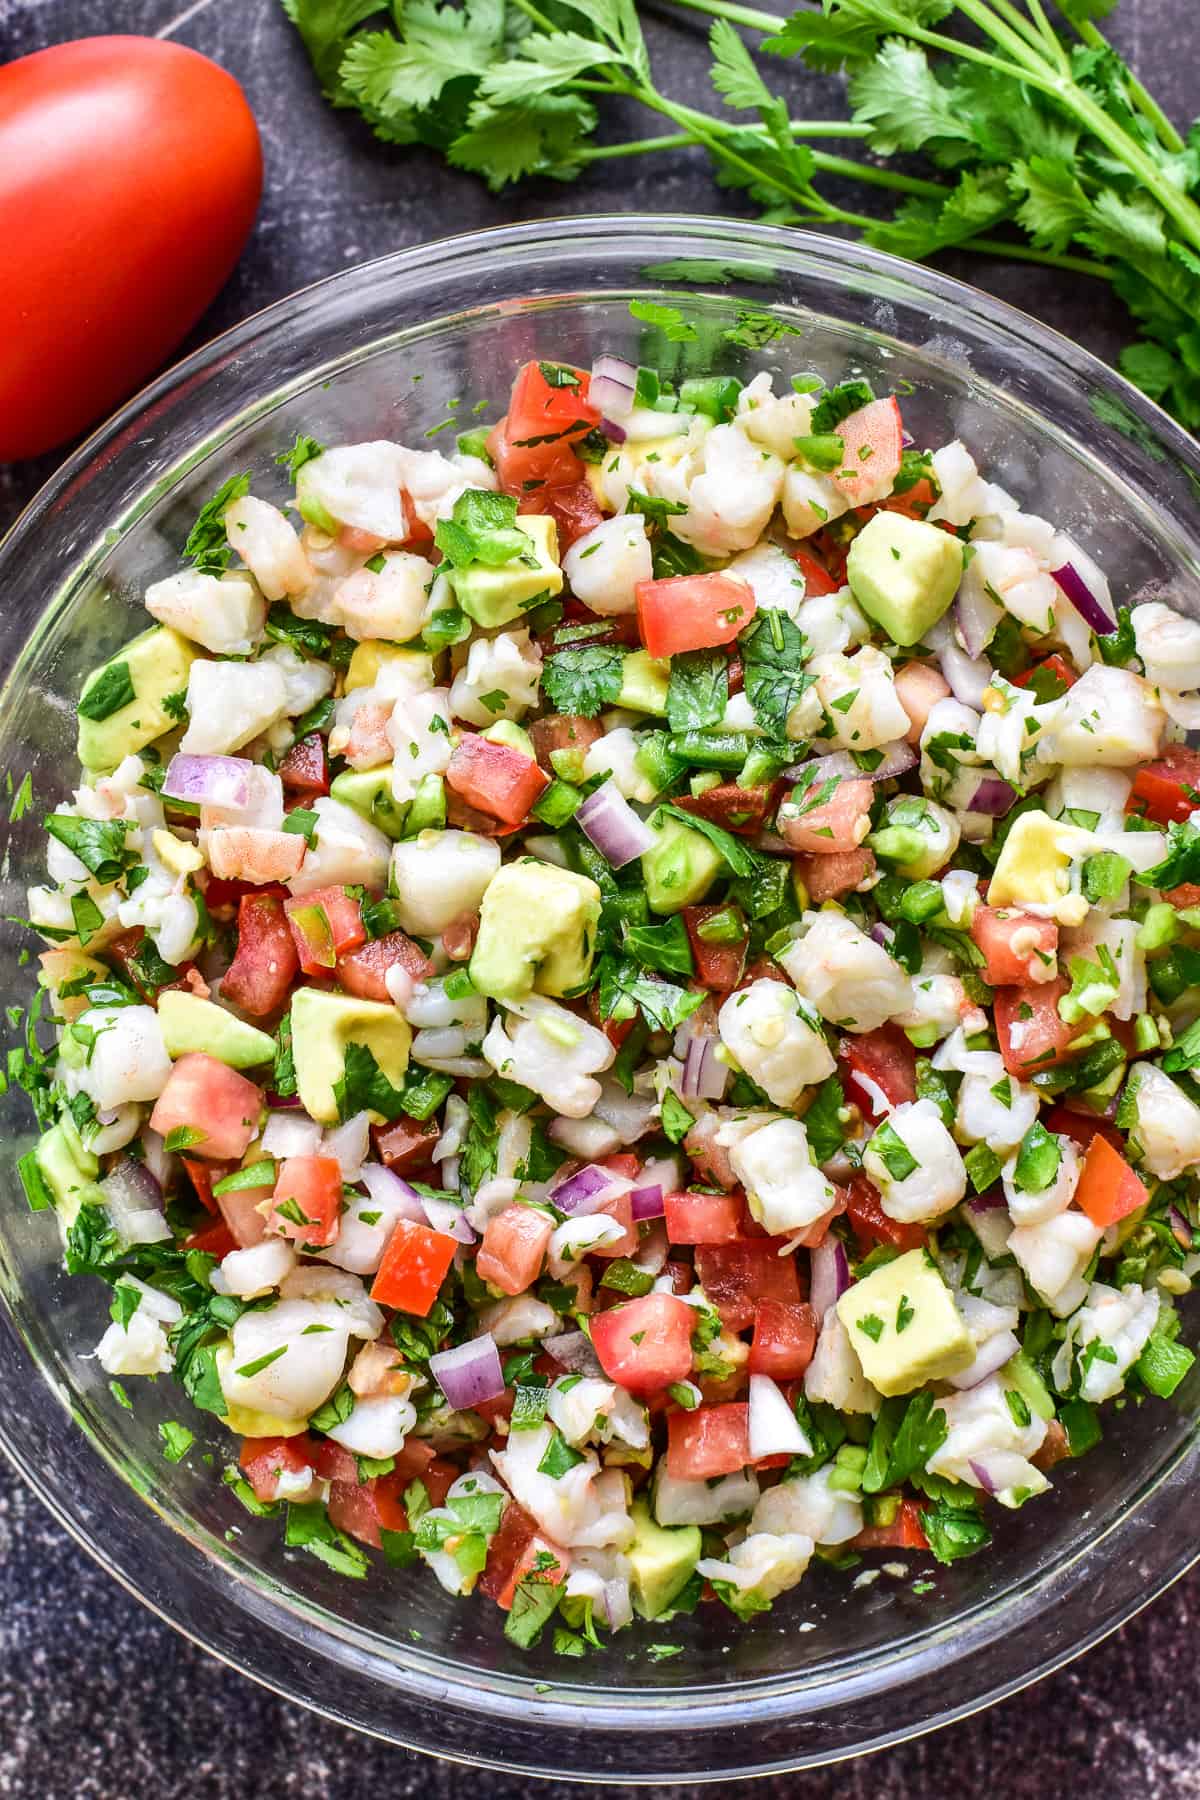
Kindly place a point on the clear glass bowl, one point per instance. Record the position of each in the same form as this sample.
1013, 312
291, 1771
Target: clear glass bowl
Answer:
385, 351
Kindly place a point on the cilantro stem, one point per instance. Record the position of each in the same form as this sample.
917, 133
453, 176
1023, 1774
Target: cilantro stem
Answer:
1145, 102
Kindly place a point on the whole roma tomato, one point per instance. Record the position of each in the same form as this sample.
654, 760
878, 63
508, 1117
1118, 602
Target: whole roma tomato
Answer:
130, 172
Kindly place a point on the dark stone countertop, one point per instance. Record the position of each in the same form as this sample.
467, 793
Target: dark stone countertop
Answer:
98, 1700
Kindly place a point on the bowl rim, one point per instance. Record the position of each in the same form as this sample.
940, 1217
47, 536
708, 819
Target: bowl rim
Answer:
1002, 321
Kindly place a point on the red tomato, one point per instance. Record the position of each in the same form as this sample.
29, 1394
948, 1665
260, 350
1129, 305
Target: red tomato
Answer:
225, 896
904, 1533
817, 579
718, 966
692, 612
262, 971
828, 877
574, 510
703, 1218
512, 1554
241, 1211
1015, 945
1168, 789
264, 1460
123, 950
839, 825
406, 1144
646, 1344
522, 471
872, 445
513, 1248
1082, 1127
531, 446
915, 502
887, 1060
1030, 1033
737, 1277
305, 768
214, 1240
131, 176
205, 1095
365, 1509
738, 809
619, 1208
202, 1175
713, 1440
496, 778
362, 971
784, 1338
1055, 666
325, 925
563, 731
871, 1225
1108, 1188
308, 1200
413, 1268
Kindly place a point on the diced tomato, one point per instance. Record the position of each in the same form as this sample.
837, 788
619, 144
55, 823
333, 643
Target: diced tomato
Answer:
512, 1554
215, 1240
205, 1095
692, 612
904, 1533
406, 1143
737, 1277
703, 1218
202, 1175
265, 965
365, 1509
532, 443
243, 1211
840, 824
362, 971
1030, 1033
1055, 1448
710, 1160
620, 1208
513, 1248
871, 1225
413, 1268
325, 924
123, 951
575, 510
558, 402
817, 579
1054, 671
872, 445
645, 1344
563, 731
264, 1460
713, 1440
420, 535
305, 768
332, 1463
531, 468
682, 1276
496, 778
222, 896
785, 1335
887, 1061
740, 810
718, 966
308, 1200
1081, 1127
828, 877
615, 1030
1108, 1188
1168, 789
1016, 945
914, 502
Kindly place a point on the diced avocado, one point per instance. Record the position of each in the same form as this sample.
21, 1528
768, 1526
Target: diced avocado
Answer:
644, 684
537, 932
180, 857
1019, 1374
190, 1024
680, 866
662, 1558
68, 1170
904, 573
369, 792
58, 967
1033, 868
507, 731
427, 809
496, 596
372, 660
904, 1326
245, 1420
323, 1024
156, 666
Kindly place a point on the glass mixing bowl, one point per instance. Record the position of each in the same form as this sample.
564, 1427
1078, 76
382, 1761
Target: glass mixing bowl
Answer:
387, 350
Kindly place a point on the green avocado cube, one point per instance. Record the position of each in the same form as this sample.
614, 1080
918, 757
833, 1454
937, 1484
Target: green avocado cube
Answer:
663, 1559
323, 1025
904, 573
369, 792
68, 1170
152, 669
679, 867
497, 596
190, 1024
537, 932
904, 1326
644, 684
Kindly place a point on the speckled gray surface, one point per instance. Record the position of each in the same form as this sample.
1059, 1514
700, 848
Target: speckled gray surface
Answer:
98, 1701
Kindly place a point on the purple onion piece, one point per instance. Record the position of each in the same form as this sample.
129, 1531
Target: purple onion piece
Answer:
387, 1189
976, 616
611, 824
283, 1102
574, 1350
139, 1185
613, 387
1083, 600
587, 1190
968, 677
994, 797
208, 780
1180, 1229
446, 1217
830, 1274
898, 759
992, 1354
882, 934
469, 1374
989, 1202
982, 1477
616, 434
704, 1076
647, 1203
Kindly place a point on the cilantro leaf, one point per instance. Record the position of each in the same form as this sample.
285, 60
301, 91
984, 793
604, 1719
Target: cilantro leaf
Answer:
207, 547
772, 650
583, 681
363, 1087
740, 859
107, 693
699, 690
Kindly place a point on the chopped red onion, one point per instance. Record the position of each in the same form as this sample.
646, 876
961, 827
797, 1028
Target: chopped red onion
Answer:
388, 1190
988, 1202
209, 780
976, 616
134, 1202
1083, 600
587, 1189
136, 1181
830, 1274
446, 1217
994, 797
897, 759
882, 934
470, 1373
704, 1074
907, 440
647, 1203
283, 1102
574, 1351
991, 1355
652, 1253
969, 677
1180, 1229
607, 818
157, 1159
616, 434
772, 1427
982, 1477
613, 387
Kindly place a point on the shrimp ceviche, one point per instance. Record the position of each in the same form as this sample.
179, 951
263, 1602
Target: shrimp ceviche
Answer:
627, 999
